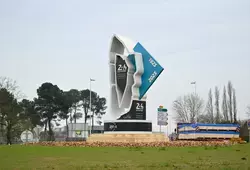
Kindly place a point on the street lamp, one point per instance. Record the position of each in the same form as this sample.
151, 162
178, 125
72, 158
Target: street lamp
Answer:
194, 83
90, 103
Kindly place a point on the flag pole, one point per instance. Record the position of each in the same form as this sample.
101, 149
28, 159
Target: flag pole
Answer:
90, 105
194, 82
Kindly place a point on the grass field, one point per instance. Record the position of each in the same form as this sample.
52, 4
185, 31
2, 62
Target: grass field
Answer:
42, 157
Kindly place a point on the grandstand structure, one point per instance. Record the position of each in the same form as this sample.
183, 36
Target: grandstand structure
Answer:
196, 131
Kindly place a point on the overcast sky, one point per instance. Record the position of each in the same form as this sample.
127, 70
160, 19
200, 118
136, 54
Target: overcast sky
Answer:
67, 42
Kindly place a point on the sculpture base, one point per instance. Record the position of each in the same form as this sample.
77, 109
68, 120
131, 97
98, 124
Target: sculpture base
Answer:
128, 131
128, 126
128, 138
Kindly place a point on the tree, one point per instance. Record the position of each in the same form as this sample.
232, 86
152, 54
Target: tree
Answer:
12, 120
234, 106
217, 105
230, 101
99, 121
204, 118
188, 108
10, 111
209, 108
5, 101
49, 103
30, 114
11, 86
75, 97
224, 105
99, 105
67, 103
85, 97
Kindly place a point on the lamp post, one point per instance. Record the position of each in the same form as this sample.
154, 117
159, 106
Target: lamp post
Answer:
90, 103
194, 83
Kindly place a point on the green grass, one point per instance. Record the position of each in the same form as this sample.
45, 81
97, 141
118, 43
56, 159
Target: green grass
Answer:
41, 157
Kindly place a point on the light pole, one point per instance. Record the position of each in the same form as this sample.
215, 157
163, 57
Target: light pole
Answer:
194, 83
90, 103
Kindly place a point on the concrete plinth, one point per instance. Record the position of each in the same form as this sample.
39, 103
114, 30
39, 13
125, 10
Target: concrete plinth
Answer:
128, 137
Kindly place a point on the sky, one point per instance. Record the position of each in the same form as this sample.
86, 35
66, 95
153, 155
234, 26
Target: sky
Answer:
67, 42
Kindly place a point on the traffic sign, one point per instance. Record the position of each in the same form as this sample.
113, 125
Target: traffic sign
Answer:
162, 117
162, 109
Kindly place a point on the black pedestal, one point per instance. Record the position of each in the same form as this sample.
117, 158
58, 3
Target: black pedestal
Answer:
127, 126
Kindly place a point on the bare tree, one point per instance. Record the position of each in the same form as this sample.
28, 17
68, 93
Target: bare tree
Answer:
234, 106
230, 99
248, 111
180, 108
188, 108
224, 105
8, 84
204, 118
209, 118
11, 86
217, 105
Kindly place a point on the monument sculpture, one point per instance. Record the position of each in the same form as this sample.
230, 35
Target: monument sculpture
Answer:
132, 72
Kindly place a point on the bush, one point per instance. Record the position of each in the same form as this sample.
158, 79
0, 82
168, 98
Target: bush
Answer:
237, 140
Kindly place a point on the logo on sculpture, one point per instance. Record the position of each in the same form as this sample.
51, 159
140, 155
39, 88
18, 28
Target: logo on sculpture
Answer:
139, 107
122, 68
132, 72
112, 127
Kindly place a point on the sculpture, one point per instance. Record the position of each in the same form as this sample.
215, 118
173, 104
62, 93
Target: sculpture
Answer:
132, 72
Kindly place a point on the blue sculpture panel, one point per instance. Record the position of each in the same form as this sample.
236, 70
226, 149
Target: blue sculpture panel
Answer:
152, 69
